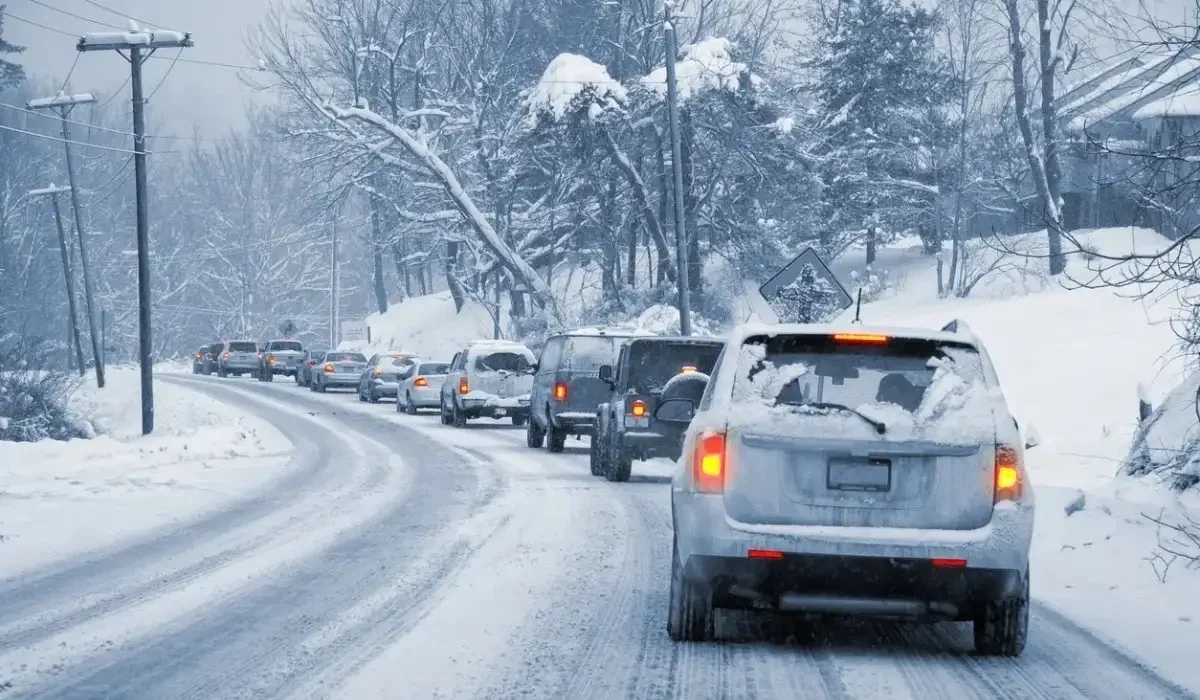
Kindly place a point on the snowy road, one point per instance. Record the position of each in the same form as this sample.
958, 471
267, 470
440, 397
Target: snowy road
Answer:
399, 558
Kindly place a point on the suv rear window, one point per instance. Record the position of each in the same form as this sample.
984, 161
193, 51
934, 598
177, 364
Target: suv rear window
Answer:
654, 363
496, 361
284, 345
586, 353
240, 346
803, 370
396, 360
434, 368
345, 357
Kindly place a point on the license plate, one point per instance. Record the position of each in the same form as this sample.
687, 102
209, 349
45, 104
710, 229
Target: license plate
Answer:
872, 475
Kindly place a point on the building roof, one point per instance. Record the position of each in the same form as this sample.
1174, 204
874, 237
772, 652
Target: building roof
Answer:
1139, 87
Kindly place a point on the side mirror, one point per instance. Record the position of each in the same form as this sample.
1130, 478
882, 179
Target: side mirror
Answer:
679, 411
606, 374
1032, 437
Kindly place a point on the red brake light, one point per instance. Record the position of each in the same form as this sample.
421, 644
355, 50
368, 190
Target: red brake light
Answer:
329, 367
464, 387
1008, 473
638, 409
708, 462
420, 381
861, 338
225, 355
312, 363
560, 391
764, 554
949, 563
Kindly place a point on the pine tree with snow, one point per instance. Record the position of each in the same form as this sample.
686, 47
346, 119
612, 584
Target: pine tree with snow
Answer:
10, 73
810, 298
883, 89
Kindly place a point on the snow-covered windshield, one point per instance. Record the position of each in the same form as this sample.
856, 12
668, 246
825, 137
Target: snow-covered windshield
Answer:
396, 361
586, 353
653, 363
239, 346
345, 357
501, 360
799, 370
285, 345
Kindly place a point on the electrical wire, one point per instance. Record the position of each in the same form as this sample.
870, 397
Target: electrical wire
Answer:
70, 72
72, 14
165, 75
122, 15
116, 92
207, 63
78, 143
6, 13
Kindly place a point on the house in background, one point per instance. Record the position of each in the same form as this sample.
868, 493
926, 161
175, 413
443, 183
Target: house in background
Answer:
1116, 128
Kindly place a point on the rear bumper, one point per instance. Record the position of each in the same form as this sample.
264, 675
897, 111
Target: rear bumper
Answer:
852, 585
573, 421
236, 366
651, 445
483, 407
385, 388
429, 397
337, 380
703, 530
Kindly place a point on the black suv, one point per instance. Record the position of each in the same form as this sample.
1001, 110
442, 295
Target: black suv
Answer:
567, 387
625, 425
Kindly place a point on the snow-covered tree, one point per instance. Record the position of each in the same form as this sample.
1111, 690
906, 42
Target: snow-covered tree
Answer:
10, 73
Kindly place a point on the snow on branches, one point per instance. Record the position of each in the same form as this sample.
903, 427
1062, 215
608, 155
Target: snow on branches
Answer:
574, 84
706, 66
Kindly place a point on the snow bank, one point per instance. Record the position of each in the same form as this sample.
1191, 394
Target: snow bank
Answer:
60, 499
428, 326
1168, 444
705, 66
571, 83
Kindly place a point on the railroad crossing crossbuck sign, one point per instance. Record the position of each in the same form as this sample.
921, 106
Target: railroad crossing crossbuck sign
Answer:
805, 291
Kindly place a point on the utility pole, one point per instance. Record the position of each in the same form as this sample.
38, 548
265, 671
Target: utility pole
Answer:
333, 284
685, 310
53, 193
64, 105
140, 45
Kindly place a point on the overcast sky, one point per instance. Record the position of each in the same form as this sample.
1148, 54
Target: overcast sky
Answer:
210, 98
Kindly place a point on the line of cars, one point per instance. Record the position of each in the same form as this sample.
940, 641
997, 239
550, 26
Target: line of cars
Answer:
820, 470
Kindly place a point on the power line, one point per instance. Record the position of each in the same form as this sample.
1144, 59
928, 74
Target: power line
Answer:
37, 24
116, 92
69, 74
208, 63
79, 143
72, 14
122, 15
165, 76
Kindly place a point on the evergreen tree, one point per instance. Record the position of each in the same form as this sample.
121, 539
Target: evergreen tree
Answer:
10, 73
883, 89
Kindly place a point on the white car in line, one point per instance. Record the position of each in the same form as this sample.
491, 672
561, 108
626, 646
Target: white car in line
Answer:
422, 388
851, 471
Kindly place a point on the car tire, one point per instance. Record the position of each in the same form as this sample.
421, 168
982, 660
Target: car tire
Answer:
690, 615
321, 388
409, 407
619, 467
457, 417
372, 396
535, 437
296, 378
222, 373
1002, 626
445, 415
520, 420
556, 439
269, 376
596, 455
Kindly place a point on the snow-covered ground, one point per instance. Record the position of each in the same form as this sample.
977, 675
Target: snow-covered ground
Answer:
59, 500
1071, 361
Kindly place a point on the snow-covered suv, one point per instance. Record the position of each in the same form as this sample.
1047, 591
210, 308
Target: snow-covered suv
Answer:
488, 379
843, 470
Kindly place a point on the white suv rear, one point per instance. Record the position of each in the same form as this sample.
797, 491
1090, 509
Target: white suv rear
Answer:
850, 471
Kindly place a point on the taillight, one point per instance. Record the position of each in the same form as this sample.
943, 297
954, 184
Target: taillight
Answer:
329, 367
225, 356
420, 381
378, 372
1008, 473
464, 387
270, 359
638, 409
708, 462
312, 363
197, 356
560, 391
861, 338
260, 355
688, 369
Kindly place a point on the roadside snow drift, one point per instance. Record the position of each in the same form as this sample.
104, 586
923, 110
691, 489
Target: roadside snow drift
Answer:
61, 499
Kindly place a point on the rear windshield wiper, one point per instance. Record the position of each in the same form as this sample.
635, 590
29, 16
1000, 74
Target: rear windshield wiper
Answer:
879, 426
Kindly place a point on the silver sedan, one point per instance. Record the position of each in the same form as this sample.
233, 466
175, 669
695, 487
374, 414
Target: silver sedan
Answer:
422, 389
339, 370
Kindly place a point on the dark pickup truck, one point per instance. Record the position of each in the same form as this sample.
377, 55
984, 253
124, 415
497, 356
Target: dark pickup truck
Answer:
625, 425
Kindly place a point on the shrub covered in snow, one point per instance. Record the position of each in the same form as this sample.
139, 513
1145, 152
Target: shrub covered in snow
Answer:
33, 395
1167, 444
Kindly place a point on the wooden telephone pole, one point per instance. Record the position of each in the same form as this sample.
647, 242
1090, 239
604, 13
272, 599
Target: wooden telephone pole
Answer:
136, 47
64, 105
64, 247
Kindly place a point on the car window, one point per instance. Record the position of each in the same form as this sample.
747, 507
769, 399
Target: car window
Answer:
285, 345
583, 353
501, 360
706, 400
653, 363
551, 355
345, 357
434, 368
239, 346
395, 360
796, 370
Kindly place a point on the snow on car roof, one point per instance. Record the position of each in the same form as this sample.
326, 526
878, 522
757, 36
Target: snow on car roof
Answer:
486, 345
740, 333
610, 332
